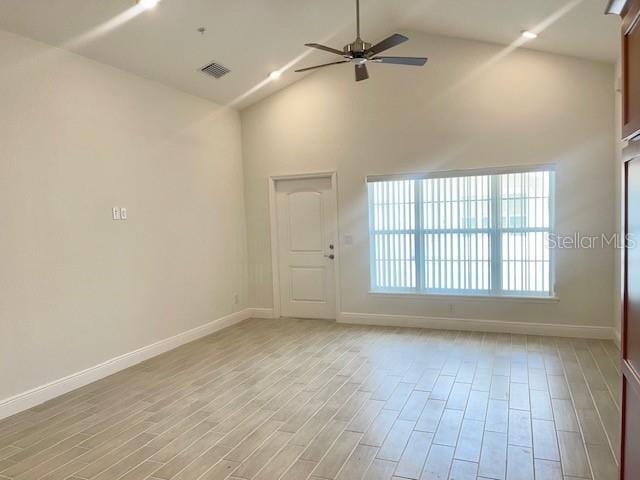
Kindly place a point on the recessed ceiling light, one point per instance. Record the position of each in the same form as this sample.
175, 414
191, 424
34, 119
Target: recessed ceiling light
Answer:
275, 75
528, 34
148, 4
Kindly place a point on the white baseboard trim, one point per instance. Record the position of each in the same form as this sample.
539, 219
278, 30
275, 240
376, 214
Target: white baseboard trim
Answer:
616, 338
480, 325
261, 312
36, 396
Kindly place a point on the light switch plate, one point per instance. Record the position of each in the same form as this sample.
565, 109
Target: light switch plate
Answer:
123, 214
115, 213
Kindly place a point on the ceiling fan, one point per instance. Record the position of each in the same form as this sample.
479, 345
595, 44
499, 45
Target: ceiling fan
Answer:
360, 52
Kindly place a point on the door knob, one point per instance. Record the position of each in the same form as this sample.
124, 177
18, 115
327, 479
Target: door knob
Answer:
331, 257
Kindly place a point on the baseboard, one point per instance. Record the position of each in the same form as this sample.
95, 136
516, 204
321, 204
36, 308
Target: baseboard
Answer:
261, 312
616, 338
36, 396
480, 325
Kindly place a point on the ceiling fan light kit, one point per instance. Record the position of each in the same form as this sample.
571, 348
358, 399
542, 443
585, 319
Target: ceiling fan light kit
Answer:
360, 52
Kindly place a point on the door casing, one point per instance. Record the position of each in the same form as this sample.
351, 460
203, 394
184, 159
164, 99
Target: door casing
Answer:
630, 376
273, 224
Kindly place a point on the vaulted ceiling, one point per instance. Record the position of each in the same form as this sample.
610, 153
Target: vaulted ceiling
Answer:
254, 37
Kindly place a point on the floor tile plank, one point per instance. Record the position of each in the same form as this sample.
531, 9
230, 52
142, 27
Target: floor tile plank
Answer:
297, 399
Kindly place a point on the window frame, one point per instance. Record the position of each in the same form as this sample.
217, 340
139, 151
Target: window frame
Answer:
495, 232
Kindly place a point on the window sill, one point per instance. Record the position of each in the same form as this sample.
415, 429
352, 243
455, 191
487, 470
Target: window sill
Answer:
465, 297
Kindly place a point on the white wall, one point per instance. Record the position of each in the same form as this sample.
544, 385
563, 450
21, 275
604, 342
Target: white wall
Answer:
76, 139
474, 105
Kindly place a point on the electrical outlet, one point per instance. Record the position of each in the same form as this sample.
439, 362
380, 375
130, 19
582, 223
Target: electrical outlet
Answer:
236, 299
123, 214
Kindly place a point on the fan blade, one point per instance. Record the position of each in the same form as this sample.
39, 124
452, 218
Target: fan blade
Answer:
320, 66
387, 43
325, 48
361, 72
414, 61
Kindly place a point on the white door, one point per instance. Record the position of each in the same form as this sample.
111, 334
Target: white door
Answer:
306, 219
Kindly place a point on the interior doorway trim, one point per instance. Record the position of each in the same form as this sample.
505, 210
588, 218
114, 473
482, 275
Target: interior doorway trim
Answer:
273, 225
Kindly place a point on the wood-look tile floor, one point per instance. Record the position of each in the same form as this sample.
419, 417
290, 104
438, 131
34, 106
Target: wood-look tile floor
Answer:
304, 399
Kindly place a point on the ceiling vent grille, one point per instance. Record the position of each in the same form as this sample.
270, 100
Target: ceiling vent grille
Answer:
215, 70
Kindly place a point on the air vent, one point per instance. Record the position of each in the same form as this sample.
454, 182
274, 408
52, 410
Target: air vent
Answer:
215, 70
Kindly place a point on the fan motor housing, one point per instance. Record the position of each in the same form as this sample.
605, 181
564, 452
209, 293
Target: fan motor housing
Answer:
356, 48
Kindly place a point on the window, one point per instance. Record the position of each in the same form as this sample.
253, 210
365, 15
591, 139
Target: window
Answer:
463, 233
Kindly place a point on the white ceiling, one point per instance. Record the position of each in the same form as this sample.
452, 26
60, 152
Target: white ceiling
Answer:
254, 37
